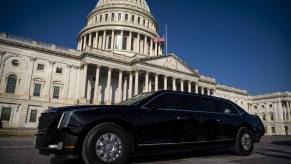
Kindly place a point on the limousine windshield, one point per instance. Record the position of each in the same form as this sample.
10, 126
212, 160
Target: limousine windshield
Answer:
136, 100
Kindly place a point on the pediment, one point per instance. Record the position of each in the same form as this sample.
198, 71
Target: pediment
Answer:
171, 62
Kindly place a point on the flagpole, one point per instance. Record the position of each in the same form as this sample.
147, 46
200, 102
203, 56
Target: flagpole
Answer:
166, 39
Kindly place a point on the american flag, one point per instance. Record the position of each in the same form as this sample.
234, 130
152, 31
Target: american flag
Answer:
159, 39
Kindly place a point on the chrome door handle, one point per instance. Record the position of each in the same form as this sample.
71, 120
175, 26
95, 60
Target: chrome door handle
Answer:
182, 118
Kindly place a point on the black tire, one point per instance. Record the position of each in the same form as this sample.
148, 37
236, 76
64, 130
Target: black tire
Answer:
89, 145
238, 147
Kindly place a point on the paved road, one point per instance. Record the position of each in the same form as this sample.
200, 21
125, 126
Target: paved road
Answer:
271, 150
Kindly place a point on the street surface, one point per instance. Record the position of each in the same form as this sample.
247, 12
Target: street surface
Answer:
271, 150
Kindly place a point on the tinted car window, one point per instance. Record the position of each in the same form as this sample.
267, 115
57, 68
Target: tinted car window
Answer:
137, 99
227, 108
195, 103
164, 101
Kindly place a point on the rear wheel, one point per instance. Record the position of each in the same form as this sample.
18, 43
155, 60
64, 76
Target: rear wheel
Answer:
244, 142
106, 143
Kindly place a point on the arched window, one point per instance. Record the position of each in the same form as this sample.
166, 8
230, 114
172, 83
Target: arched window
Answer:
271, 116
119, 16
11, 84
264, 116
112, 17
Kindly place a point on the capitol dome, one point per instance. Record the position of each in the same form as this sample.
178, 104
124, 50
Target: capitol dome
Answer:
121, 26
138, 4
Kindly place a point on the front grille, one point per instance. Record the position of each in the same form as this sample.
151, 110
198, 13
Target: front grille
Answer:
48, 120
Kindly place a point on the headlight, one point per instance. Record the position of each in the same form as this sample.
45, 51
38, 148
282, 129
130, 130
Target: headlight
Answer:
65, 119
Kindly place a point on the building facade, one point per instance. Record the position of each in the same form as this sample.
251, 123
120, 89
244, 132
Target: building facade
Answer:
119, 55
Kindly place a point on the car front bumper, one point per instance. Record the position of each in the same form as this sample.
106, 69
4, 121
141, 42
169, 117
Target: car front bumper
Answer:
58, 142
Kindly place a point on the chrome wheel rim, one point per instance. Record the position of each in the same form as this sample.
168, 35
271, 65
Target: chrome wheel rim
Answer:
246, 142
109, 147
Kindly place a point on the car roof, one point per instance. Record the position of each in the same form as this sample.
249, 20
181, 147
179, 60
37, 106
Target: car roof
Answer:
195, 94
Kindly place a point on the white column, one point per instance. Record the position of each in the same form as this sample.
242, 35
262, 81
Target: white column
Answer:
174, 84
146, 81
151, 47
104, 40
189, 87
145, 49
79, 87
84, 84
165, 83
156, 82
120, 86
150, 85
280, 108
129, 41
99, 46
138, 43
202, 90
182, 85
136, 83
207, 91
85, 42
276, 112
121, 33
28, 79
96, 92
130, 85
125, 94
90, 39
156, 49
213, 92
95, 45
196, 88
79, 45
108, 87
112, 39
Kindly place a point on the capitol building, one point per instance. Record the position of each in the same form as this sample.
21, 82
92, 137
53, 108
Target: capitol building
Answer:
119, 55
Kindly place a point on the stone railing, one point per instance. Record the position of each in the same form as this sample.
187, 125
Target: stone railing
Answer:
231, 89
92, 27
207, 79
106, 54
272, 96
6, 95
39, 44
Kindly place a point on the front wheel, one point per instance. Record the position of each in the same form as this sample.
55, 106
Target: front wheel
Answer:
106, 143
244, 142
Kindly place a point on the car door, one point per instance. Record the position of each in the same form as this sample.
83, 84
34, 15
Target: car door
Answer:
230, 120
163, 123
203, 117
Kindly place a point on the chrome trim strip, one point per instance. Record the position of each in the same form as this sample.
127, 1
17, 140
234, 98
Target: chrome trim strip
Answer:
182, 143
59, 124
181, 110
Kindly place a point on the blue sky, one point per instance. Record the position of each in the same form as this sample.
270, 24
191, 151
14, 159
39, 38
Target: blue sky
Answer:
241, 43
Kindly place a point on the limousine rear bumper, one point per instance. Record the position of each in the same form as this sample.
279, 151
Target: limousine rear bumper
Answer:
259, 134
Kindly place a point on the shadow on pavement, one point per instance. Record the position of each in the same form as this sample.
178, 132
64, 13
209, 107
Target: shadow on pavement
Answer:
282, 143
280, 156
176, 156
279, 151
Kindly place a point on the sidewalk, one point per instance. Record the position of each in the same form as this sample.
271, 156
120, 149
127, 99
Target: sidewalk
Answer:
19, 132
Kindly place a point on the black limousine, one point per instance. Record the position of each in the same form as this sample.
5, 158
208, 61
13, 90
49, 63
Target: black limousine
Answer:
164, 119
